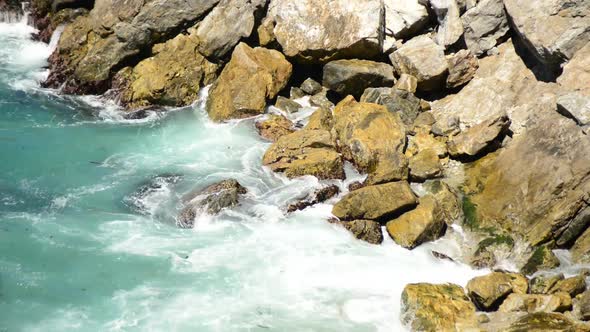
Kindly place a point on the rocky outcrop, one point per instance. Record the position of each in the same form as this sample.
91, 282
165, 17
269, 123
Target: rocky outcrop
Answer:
485, 25
253, 76
274, 127
212, 200
376, 202
306, 152
352, 77
489, 291
432, 308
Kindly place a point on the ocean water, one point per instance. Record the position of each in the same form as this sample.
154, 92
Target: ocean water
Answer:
80, 252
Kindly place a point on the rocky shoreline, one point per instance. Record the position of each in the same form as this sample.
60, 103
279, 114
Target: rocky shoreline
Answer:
467, 114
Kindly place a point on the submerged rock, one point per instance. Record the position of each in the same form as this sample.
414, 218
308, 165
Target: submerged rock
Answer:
139, 200
352, 77
253, 76
489, 291
319, 196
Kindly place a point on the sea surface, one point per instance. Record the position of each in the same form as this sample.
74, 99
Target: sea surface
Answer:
82, 250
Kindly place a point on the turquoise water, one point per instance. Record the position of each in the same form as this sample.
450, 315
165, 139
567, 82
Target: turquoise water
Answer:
76, 254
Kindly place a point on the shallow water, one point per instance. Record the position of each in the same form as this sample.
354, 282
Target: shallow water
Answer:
76, 255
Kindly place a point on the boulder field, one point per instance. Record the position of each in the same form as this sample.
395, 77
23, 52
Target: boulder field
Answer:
469, 118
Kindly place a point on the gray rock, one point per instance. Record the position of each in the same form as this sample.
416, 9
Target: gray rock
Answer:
576, 106
484, 25
311, 87
397, 101
450, 27
287, 105
352, 77
366, 230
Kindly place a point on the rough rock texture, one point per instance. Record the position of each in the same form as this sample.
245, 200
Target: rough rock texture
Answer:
319, 196
462, 68
484, 25
322, 30
305, 152
404, 18
287, 105
274, 127
432, 308
542, 258
479, 137
489, 291
212, 200
552, 30
402, 102
423, 224
573, 286
252, 76
226, 25
576, 106
424, 59
366, 230
352, 77
448, 200
576, 73
582, 307
425, 165
542, 321
173, 76
321, 119
559, 302
372, 138
492, 248
450, 27
311, 87
407, 83
375, 202
581, 248
542, 284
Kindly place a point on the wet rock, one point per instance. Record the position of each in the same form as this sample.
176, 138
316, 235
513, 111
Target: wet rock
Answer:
462, 68
428, 307
287, 105
352, 77
402, 102
375, 202
319, 196
311, 87
576, 73
573, 286
296, 93
542, 258
442, 256
582, 307
138, 200
341, 28
424, 59
450, 27
320, 99
404, 19
489, 291
366, 230
212, 199
228, 23
425, 165
423, 224
274, 127
484, 25
491, 249
478, 138
173, 76
355, 186
372, 138
407, 83
321, 119
447, 199
253, 76
576, 106
559, 302
542, 284
305, 152
543, 321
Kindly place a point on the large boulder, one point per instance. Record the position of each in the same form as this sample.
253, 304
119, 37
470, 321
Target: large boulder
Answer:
228, 23
376, 202
432, 308
422, 58
172, 76
372, 138
484, 24
253, 76
322, 30
423, 224
552, 30
306, 152
489, 291
352, 77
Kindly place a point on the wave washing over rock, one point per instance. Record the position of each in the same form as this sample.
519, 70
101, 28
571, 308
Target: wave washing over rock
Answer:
233, 165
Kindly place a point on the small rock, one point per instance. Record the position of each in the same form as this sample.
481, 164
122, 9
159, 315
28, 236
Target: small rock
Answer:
407, 83
423, 140
366, 230
321, 100
462, 68
558, 302
352, 77
274, 127
573, 286
477, 138
489, 291
321, 119
544, 283
319, 196
425, 165
296, 93
375, 202
425, 120
440, 255
423, 224
287, 105
311, 87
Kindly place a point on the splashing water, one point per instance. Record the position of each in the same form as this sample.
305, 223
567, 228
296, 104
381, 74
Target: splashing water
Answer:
75, 256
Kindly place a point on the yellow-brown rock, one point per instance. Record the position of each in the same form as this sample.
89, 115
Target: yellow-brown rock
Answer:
489, 291
274, 127
558, 302
321, 119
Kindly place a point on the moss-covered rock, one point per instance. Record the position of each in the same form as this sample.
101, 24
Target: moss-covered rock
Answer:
542, 258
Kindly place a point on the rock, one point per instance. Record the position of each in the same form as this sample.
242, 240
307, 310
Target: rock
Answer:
542, 284
404, 103
366, 230
575, 106
490, 250
450, 27
425, 165
407, 83
372, 138
252, 76
423, 140
478, 138
485, 25
356, 186
489, 291
274, 127
553, 31
581, 248
287, 105
424, 59
173, 76
542, 258
576, 73
296, 93
340, 28
228, 23
352, 77
543, 321
321, 119
305, 152
428, 307
321, 100
462, 68
139, 200
212, 200
115, 32
376, 202
424, 122
423, 224
573, 286
447, 199
583, 306
536, 303
404, 18
311, 87
58, 5
319, 196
